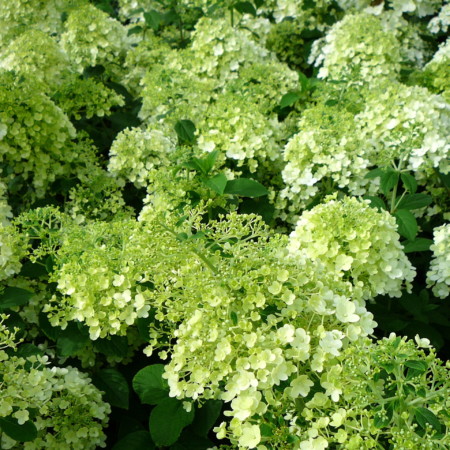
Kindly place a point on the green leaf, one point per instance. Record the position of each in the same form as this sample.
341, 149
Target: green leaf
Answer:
71, 339
407, 224
409, 182
376, 202
388, 180
13, 296
245, 8
418, 245
424, 416
331, 102
185, 130
112, 346
304, 81
234, 317
134, 30
20, 433
289, 99
150, 386
47, 328
374, 173
206, 416
167, 420
217, 183
414, 201
153, 19
418, 365
26, 350
245, 187
138, 440
114, 385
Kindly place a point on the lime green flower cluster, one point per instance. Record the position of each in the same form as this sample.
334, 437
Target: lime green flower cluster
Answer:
420, 8
262, 84
61, 403
92, 38
240, 131
439, 274
408, 124
5, 209
172, 91
12, 249
325, 153
44, 15
380, 396
135, 153
354, 242
35, 133
220, 50
375, 55
247, 321
37, 56
101, 286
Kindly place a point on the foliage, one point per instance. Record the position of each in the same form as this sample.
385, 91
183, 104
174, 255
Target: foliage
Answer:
218, 218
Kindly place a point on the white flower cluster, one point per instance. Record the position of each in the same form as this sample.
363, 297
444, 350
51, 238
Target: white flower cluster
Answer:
420, 8
357, 47
68, 410
326, 150
93, 38
439, 274
101, 287
436, 71
441, 22
136, 152
406, 123
220, 50
356, 243
237, 129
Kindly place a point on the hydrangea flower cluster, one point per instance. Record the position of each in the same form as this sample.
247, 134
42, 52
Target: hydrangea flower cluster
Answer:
224, 49
326, 152
136, 152
406, 123
441, 22
66, 409
103, 287
36, 132
375, 55
356, 243
352, 405
436, 71
92, 38
439, 274
239, 131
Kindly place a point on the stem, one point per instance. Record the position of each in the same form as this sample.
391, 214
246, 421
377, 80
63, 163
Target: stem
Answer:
208, 263
232, 16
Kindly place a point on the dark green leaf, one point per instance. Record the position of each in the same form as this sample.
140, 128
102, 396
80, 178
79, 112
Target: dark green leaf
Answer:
234, 317
414, 201
150, 386
20, 433
383, 418
71, 340
375, 202
138, 440
14, 296
134, 30
424, 416
388, 180
259, 3
407, 224
26, 350
217, 183
245, 187
304, 81
153, 19
289, 99
409, 182
331, 102
421, 366
46, 327
374, 173
245, 8
112, 346
167, 420
206, 416
114, 385
185, 130
418, 245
